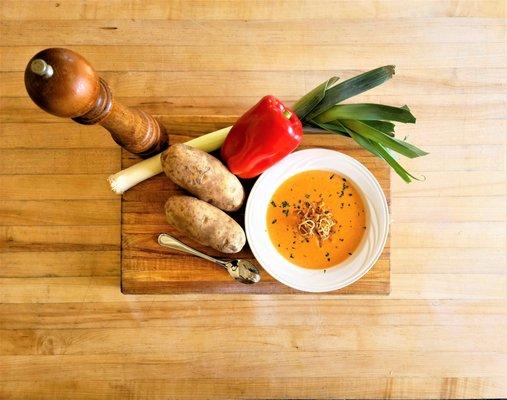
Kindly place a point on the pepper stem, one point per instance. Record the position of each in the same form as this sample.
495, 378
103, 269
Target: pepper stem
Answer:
287, 114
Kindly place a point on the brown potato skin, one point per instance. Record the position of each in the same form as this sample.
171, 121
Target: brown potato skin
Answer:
204, 176
204, 223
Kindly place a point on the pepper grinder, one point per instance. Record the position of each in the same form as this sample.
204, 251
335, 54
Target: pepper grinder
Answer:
64, 84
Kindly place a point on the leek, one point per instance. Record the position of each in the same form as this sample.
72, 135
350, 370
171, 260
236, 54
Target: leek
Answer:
370, 125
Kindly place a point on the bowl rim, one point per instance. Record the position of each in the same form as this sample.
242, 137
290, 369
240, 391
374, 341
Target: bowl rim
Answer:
310, 154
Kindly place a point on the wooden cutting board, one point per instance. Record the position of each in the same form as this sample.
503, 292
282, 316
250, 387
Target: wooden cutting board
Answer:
147, 268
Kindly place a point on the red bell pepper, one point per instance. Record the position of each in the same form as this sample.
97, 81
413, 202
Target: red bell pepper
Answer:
261, 137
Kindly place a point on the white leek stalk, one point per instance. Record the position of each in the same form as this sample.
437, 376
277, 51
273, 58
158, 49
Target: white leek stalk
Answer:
131, 176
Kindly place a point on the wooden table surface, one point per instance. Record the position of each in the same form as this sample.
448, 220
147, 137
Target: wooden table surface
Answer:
66, 331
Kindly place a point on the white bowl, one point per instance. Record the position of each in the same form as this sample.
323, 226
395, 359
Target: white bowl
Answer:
340, 275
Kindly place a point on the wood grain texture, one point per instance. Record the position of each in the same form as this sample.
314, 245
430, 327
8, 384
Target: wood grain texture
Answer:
420, 81
256, 9
254, 32
66, 331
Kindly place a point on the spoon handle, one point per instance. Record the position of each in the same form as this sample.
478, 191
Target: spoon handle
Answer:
168, 241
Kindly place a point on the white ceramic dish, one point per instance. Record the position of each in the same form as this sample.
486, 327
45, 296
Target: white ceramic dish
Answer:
340, 275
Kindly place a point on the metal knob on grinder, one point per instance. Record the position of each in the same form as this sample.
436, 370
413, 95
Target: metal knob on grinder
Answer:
63, 83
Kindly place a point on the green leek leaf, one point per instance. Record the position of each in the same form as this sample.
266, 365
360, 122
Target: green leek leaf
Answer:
384, 126
352, 87
377, 136
331, 128
381, 152
366, 111
310, 100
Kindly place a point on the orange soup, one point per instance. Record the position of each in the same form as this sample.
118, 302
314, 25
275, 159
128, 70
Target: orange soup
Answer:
316, 219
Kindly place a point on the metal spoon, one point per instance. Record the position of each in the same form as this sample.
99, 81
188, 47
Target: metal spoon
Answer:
241, 270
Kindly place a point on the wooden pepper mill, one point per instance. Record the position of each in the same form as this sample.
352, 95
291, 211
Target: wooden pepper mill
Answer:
64, 84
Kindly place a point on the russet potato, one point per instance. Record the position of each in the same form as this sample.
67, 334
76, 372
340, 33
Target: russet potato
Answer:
204, 176
204, 223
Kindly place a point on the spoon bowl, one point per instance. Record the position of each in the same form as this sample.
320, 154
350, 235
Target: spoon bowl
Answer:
241, 270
